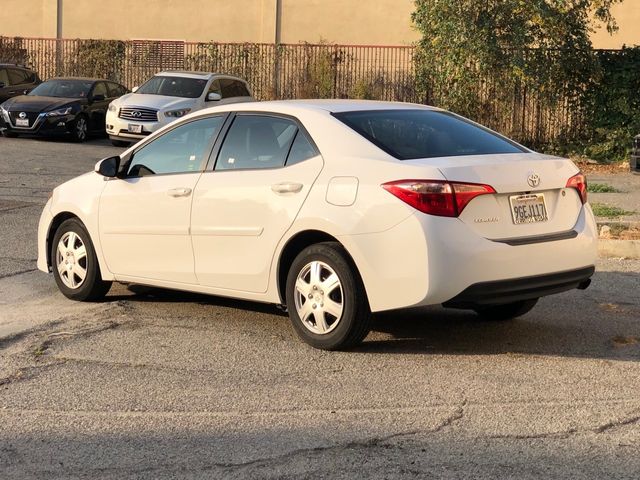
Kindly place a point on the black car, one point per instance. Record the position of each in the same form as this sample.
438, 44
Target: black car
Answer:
16, 80
62, 106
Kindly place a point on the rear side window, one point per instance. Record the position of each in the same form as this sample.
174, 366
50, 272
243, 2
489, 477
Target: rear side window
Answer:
255, 142
301, 150
411, 134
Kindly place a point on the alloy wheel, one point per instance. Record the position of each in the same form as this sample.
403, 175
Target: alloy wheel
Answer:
319, 298
71, 260
81, 128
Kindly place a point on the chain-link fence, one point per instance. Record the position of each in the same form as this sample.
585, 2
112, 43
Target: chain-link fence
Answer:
293, 71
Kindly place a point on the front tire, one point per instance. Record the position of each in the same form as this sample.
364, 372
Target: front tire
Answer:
80, 129
75, 265
507, 311
9, 134
327, 303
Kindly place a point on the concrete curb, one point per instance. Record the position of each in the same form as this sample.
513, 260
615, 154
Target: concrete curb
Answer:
619, 248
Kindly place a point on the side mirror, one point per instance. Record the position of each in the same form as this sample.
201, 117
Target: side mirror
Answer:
108, 167
98, 98
214, 97
134, 89
2, 84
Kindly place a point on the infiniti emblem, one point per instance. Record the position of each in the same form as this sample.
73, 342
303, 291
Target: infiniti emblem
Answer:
136, 114
22, 115
533, 180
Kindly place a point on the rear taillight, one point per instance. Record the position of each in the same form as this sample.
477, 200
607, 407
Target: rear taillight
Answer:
437, 197
579, 182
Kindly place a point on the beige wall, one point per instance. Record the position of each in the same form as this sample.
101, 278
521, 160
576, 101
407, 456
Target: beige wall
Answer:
28, 18
375, 22
627, 15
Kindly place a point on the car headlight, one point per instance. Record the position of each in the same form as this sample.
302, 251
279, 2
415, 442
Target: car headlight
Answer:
4, 113
61, 112
177, 113
112, 107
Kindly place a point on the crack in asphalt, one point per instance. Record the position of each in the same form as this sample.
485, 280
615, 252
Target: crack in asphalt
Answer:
573, 431
13, 274
615, 424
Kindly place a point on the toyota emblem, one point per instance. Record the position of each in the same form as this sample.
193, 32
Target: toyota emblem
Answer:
22, 115
136, 114
533, 180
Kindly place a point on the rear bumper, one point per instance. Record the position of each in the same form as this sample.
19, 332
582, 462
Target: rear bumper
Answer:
427, 260
527, 288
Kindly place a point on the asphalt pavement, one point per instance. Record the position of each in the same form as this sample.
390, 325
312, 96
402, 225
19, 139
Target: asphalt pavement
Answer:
153, 384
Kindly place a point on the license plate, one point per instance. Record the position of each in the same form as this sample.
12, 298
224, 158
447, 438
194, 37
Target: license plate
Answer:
529, 208
135, 128
22, 122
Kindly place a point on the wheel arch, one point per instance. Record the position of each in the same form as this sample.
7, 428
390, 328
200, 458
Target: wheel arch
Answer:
296, 244
53, 227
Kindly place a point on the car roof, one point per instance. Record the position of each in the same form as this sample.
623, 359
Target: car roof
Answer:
197, 75
82, 79
332, 106
14, 65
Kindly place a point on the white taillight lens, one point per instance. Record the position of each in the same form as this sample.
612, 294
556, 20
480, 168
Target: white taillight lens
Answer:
437, 197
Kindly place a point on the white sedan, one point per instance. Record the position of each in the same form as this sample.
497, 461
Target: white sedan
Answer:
335, 209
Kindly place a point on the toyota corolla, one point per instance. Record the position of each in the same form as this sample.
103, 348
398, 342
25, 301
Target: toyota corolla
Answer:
334, 209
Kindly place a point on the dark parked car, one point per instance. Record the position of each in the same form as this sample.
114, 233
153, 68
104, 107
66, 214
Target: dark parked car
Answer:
62, 106
635, 155
16, 80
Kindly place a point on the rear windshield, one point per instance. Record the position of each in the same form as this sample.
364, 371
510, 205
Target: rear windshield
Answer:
410, 134
174, 87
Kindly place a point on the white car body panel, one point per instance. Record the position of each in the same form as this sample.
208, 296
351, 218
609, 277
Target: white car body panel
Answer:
239, 227
148, 237
238, 220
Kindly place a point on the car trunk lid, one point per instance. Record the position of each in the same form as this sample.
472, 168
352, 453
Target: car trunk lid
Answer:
531, 197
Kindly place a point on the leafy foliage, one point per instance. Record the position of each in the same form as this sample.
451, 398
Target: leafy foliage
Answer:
614, 113
481, 58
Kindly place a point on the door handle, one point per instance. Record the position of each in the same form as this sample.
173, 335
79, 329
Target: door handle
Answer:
286, 187
179, 192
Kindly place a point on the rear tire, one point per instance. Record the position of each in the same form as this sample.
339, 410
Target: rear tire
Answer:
507, 311
75, 265
120, 143
327, 303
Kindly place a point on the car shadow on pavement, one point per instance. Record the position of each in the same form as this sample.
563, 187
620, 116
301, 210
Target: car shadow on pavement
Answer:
601, 322
143, 293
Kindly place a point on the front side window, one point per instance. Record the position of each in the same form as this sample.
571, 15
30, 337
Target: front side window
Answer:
215, 87
18, 77
233, 88
4, 77
63, 89
256, 141
181, 150
100, 89
410, 134
174, 87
